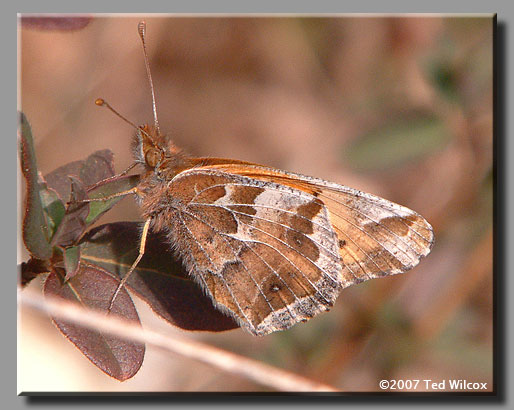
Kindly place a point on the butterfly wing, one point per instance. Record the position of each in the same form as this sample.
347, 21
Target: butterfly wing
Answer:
376, 237
266, 253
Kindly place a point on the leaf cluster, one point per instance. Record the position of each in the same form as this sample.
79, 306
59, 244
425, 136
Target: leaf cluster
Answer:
84, 264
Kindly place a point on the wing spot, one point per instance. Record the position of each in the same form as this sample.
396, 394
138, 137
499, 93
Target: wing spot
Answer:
275, 287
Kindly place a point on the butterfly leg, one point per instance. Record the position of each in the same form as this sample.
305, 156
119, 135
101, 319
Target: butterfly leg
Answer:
106, 198
103, 181
141, 253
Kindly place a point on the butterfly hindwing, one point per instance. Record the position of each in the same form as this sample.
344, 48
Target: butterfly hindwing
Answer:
266, 253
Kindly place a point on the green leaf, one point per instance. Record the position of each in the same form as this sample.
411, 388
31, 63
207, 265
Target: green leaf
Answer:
71, 257
53, 207
36, 233
98, 208
160, 279
94, 288
397, 143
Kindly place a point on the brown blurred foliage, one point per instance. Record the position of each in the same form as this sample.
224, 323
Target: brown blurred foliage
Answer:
399, 107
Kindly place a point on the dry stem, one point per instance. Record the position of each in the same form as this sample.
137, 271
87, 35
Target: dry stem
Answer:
261, 373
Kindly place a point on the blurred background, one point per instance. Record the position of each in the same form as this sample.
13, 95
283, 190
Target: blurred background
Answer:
397, 106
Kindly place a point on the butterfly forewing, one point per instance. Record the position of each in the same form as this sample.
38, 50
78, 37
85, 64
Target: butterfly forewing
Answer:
266, 253
375, 237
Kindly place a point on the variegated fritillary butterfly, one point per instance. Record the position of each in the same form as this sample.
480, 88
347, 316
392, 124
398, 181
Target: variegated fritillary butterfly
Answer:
271, 248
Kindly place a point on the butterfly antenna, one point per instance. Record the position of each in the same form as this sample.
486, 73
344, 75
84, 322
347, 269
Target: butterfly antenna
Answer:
102, 103
142, 31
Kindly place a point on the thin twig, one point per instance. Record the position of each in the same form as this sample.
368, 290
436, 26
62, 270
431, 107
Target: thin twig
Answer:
251, 369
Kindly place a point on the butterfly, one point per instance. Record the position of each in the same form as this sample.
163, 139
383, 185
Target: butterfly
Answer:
270, 248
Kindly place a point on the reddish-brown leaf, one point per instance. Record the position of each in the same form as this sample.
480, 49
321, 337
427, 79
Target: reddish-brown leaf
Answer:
93, 288
73, 224
56, 23
94, 174
31, 269
58, 179
96, 167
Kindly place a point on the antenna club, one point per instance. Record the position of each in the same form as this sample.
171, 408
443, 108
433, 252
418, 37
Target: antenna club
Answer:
141, 28
100, 102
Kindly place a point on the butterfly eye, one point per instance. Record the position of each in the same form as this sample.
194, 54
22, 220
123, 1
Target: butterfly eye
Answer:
152, 157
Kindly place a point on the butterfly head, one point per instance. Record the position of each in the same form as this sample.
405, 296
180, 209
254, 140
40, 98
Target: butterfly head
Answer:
158, 154
148, 149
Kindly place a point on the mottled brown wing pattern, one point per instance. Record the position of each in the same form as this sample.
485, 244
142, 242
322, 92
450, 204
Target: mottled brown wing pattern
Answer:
376, 237
265, 253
